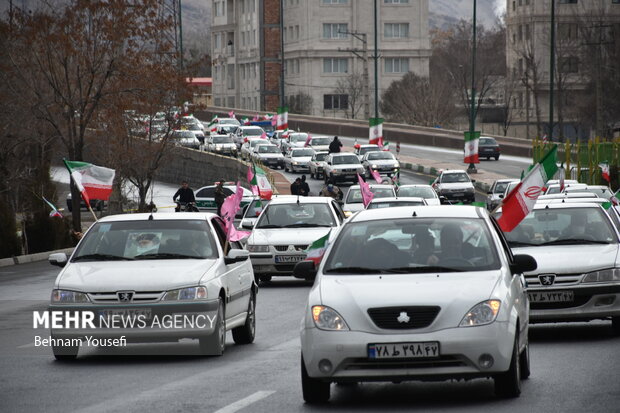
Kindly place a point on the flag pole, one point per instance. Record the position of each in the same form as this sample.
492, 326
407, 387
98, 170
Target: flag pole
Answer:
92, 212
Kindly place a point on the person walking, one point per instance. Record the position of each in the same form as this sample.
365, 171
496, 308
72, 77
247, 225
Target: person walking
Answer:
220, 196
304, 188
335, 145
296, 187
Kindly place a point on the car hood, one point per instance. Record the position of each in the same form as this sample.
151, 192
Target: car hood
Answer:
571, 259
347, 166
270, 155
301, 158
143, 275
383, 162
225, 145
354, 207
291, 236
455, 293
456, 185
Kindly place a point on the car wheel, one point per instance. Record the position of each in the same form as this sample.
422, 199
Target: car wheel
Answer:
265, 278
285, 168
311, 174
615, 325
314, 391
508, 384
215, 344
524, 361
65, 353
246, 333
497, 158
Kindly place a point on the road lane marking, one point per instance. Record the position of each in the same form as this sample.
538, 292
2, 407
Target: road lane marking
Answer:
243, 403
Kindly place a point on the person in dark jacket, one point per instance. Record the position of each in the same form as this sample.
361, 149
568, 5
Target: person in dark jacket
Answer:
185, 194
335, 145
220, 196
296, 187
304, 188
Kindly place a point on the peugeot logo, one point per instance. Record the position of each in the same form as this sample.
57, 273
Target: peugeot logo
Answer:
547, 279
125, 296
403, 317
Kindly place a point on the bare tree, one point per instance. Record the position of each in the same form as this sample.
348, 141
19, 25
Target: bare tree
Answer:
353, 86
300, 103
509, 108
530, 76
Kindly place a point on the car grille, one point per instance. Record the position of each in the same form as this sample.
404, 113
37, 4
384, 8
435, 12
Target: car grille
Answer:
300, 247
285, 267
419, 317
348, 170
365, 364
138, 297
560, 279
577, 302
281, 247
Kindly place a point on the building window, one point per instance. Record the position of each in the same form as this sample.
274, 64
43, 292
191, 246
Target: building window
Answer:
297, 32
217, 41
568, 31
396, 65
336, 102
217, 101
335, 65
335, 1
568, 64
231, 101
396, 1
335, 30
219, 8
230, 76
396, 30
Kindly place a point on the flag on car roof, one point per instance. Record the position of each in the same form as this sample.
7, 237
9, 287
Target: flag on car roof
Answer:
282, 121
367, 194
213, 124
605, 171
260, 180
386, 146
471, 147
245, 121
263, 135
229, 210
256, 118
375, 132
308, 139
94, 182
316, 250
521, 200
54, 212
254, 188
615, 198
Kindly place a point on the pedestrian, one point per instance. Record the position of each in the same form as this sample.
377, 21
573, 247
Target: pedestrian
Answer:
332, 191
220, 196
296, 187
335, 145
304, 188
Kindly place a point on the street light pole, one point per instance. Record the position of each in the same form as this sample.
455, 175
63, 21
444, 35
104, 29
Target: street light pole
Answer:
376, 57
552, 70
181, 34
282, 100
472, 106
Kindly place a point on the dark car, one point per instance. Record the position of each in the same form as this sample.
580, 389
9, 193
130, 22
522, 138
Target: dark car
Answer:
488, 148
95, 204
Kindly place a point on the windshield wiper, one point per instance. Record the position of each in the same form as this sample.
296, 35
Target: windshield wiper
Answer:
166, 255
305, 225
573, 241
520, 244
101, 257
422, 269
355, 270
269, 226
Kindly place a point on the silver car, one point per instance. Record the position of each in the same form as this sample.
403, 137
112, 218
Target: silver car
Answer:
221, 144
343, 166
496, 192
317, 165
269, 155
297, 159
185, 138
419, 190
382, 162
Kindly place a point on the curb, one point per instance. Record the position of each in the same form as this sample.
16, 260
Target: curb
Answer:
25, 259
430, 170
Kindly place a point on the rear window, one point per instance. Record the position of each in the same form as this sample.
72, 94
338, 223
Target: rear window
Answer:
488, 141
344, 160
355, 195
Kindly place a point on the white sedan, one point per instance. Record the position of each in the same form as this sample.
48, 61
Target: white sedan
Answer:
132, 274
423, 191
446, 301
298, 160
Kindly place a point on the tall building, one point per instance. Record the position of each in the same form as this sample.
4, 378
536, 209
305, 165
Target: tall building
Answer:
328, 52
584, 31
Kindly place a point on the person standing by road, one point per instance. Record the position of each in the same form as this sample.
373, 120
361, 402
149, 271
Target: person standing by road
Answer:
304, 188
331, 190
335, 145
185, 194
296, 187
220, 196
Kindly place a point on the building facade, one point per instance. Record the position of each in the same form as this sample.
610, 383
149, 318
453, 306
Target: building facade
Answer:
584, 30
328, 52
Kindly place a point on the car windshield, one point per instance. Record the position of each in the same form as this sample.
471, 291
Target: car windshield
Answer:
371, 149
320, 141
320, 157
184, 134
487, 141
389, 204
298, 137
380, 155
418, 191
228, 129
255, 142
253, 132
500, 187
296, 216
268, 149
155, 239
355, 195
345, 160
222, 139
228, 122
553, 190
565, 226
301, 152
413, 245
454, 178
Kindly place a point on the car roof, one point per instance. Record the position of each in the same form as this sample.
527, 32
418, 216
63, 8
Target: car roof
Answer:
292, 199
507, 180
561, 205
573, 200
249, 127
397, 198
343, 154
161, 216
369, 145
565, 195
415, 186
422, 211
453, 171
372, 186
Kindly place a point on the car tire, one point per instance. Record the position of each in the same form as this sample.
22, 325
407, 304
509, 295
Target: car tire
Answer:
264, 278
246, 333
311, 174
615, 325
215, 344
497, 158
508, 384
285, 168
314, 391
65, 353
524, 361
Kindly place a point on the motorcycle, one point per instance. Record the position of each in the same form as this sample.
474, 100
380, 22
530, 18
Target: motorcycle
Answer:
186, 207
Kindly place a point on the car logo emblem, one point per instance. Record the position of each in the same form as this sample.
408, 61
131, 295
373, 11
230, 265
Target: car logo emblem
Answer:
547, 279
403, 317
125, 296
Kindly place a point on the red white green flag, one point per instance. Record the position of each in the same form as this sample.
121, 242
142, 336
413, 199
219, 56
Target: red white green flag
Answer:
605, 171
54, 212
521, 200
260, 180
282, 122
94, 182
316, 250
471, 147
213, 124
375, 133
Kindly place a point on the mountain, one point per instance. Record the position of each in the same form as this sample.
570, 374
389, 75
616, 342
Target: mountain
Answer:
445, 13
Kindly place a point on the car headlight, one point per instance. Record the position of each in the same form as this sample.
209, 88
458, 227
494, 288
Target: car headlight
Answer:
191, 293
326, 318
396, 165
481, 314
218, 147
374, 167
336, 171
295, 163
258, 248
66, 296
608, 275
470, 190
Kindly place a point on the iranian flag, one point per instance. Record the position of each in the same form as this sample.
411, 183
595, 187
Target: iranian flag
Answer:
615, 198
375, 133
250, 179
282, 122
94, 182
54, 212
471, 147
520, 202
213, 124
316, 250
260, 180
605, 171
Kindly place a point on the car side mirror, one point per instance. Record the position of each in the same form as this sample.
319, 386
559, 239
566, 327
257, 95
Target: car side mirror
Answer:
236, 255
473, 181
58, 259
247, 224
501, 196
305, 270
523, 263
489, 193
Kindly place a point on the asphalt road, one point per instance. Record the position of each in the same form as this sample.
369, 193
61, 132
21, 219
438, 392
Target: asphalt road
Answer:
575, 368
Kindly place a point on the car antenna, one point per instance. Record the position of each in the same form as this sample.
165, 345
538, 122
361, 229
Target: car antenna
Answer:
297, 199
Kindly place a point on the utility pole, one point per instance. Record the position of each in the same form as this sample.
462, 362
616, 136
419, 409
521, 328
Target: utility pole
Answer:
181, 34
376, 57
599, 73
552, 71
282, 99
472, 109
365, 75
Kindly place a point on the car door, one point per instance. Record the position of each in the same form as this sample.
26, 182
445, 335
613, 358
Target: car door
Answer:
205, 199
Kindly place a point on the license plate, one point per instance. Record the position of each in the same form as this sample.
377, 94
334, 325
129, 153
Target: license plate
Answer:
383, 351
551, 297
289, 258
126, 312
